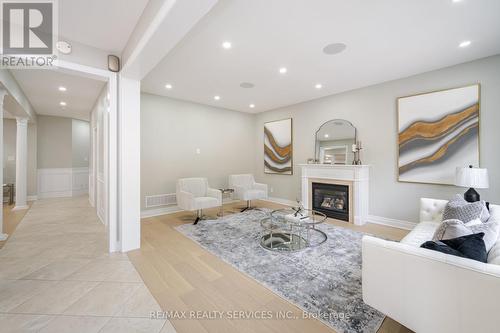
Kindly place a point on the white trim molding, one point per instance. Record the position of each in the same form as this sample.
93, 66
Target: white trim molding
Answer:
23, 207
62, 182
281, 201
160, 211
165, 210
32, 198
400, 224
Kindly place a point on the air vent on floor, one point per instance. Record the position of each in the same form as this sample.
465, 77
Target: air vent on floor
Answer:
160, 200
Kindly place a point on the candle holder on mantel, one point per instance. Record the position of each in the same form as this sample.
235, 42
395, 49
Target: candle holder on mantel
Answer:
356, 149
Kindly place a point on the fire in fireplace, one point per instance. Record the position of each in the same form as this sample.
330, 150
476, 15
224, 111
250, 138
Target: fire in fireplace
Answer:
332, 200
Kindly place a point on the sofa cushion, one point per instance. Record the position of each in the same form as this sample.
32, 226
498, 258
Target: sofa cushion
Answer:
458, 208
450, 229
470, 246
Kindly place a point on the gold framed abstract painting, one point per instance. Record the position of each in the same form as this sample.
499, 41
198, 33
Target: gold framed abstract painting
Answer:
278, 147
437, 132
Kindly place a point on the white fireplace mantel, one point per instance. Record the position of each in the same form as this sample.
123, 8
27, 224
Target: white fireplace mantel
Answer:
357, 175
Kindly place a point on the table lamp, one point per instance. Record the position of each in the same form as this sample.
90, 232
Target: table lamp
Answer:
473, 178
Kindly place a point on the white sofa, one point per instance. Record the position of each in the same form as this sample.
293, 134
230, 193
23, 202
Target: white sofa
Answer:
245, 188
429, 291
194, 194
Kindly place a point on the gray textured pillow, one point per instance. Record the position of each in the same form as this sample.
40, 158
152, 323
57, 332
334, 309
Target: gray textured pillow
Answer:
459, 209
450, 229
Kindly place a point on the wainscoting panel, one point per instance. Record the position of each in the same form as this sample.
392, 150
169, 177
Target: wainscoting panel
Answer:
62, 182
80, 181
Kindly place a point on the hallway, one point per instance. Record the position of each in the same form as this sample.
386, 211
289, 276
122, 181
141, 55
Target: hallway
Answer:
56, 276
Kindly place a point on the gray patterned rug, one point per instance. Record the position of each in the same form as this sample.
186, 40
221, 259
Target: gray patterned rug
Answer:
324, 281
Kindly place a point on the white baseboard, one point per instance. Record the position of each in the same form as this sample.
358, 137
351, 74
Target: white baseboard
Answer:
170, 210
16, 208
32, 198
400, 224
3, 237
282, 201
160, 211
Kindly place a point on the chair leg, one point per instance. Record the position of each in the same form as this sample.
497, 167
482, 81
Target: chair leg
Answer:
247, 207
199, 214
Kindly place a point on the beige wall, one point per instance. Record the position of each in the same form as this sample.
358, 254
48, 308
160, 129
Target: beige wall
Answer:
172, 130
9, 136
373, 111
54, 142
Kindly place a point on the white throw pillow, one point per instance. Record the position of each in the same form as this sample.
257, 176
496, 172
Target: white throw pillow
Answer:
473, 222
453, 228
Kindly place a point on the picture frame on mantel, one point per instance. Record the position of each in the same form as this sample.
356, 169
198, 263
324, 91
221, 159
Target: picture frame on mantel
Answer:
437, 132
278, 147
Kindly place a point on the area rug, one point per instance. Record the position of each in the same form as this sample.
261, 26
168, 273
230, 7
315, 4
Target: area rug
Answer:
324, 281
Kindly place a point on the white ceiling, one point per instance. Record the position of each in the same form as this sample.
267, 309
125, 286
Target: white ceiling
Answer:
386, 39
41, 88
103, 24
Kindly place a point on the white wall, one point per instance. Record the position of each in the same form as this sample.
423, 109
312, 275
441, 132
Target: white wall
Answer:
97, 193
373, 111
173, 130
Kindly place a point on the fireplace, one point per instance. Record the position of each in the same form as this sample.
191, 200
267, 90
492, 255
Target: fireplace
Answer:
331, 199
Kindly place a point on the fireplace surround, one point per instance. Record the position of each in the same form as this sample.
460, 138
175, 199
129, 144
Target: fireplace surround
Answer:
354, 177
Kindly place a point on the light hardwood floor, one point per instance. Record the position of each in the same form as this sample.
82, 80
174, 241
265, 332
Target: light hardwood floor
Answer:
184, 277
11, 219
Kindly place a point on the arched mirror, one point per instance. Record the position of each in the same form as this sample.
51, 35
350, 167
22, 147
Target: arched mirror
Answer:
334, 142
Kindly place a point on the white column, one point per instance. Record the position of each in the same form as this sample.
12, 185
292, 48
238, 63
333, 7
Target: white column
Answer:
129, 189
3, 93
21, 164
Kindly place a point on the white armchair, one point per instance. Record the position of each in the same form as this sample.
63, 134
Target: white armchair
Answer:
194, 194
245, 188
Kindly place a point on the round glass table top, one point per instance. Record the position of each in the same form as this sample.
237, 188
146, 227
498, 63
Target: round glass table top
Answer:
298, 217
290, 230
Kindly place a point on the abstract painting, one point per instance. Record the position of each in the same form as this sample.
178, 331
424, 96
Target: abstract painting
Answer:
438, 132
278, 147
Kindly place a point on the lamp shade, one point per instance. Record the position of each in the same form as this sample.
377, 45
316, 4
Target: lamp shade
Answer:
471, 177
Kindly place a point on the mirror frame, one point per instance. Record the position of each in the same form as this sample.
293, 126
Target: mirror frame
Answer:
316, 155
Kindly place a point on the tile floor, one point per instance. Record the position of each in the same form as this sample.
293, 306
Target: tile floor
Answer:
56, 276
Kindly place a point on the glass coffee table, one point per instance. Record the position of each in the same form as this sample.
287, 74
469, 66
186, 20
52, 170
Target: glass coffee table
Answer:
290, 230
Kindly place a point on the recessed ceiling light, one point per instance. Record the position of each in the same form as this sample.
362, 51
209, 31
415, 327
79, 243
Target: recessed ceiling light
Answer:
318, 86
326, 135
283, 70
168, 86
465, 43
217, 97
62, 103
455, 1
252, 106
226, 45
61, 88
334, 48
247, 85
